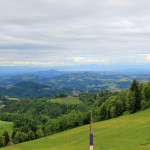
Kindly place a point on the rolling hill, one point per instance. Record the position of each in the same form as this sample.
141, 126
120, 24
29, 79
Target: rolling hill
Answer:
70, 83
128, 132
29, 89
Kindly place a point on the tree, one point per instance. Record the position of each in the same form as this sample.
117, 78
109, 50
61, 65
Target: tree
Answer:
130, 102
146, 92
118, 108
122, 97
13, 134
103, 112
23, 137
137, 94
62, 123
39, 133
6, 135
112, 112
2, 141
72, 119
144, 104
17, 137
31, 135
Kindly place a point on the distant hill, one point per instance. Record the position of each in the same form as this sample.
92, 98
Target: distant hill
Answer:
29, 89
128, 132
19, 78
79, 82
49, 73
91, 82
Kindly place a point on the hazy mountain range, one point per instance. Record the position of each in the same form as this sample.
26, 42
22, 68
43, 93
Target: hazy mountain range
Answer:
51, 71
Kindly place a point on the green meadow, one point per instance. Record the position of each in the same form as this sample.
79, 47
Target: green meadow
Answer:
68, 100
128, 132
6, 126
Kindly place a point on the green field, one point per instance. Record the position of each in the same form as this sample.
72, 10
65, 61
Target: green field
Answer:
68, 100
13, 99
6, 126
128, 132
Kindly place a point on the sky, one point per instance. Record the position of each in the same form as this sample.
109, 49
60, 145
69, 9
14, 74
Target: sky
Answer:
74, 32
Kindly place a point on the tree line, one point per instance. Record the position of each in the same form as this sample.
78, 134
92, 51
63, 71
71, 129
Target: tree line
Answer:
135, 98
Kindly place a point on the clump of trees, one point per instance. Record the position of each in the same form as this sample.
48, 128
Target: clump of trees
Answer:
29, 128
135, 98
61, 95
88, 98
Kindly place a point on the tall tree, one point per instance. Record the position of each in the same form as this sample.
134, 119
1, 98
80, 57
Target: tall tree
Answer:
146, 92
118, 108
137, 94
130, 102
6, 135
103, 112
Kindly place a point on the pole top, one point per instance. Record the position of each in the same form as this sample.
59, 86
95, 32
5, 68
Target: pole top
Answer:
91, 122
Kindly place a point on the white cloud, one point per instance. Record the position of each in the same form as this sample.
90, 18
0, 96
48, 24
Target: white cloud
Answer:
88, 60
48, 32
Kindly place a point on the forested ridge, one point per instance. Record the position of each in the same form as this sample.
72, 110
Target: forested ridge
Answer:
35, 118
31, 85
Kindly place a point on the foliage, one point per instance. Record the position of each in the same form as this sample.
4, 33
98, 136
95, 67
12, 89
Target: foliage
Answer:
131, 102
36, 107
88, 98
137, 94
39, 133
128, 132
6, 135
36, 118
31, 89
31, 135
2, 141
61, 95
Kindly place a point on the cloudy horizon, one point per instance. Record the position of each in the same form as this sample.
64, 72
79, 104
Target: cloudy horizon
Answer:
81, 32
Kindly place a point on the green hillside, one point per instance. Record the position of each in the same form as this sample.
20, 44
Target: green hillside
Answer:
6, 126
29, 89
68, 100
128, 132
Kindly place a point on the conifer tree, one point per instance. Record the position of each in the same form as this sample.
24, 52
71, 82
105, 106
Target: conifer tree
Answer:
130, 102
137, 93
6, 135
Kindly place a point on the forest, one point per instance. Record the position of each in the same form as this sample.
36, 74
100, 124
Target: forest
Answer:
35, 118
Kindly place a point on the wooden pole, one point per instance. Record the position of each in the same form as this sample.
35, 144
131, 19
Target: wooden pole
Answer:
91, 132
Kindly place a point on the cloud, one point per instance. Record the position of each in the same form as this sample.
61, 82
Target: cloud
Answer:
88, 60
22, 63
48, 32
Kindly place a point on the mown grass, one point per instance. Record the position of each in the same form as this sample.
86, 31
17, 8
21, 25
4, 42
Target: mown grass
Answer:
6, 126
13, 99
68, 100
128, 132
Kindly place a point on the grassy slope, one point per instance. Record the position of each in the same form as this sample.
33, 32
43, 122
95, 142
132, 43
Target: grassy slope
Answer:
6, 126
71, 100
128, 132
